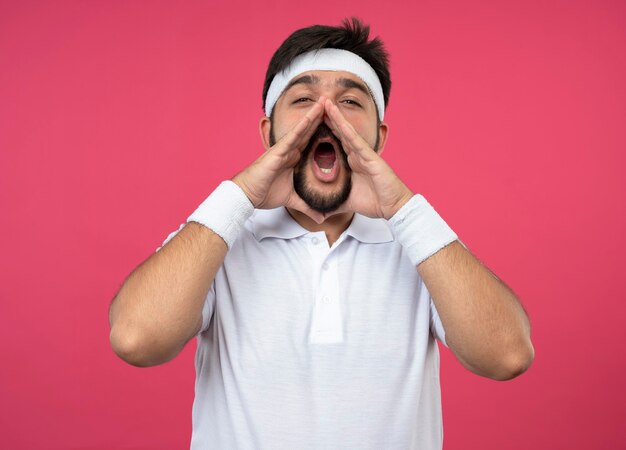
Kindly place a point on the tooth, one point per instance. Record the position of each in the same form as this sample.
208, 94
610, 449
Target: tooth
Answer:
326, 170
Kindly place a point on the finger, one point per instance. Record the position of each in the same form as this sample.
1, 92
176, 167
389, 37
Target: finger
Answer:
317, 116
337, 121
302, 131
298, 204
345, 207
331, 125
291, 140
351, 140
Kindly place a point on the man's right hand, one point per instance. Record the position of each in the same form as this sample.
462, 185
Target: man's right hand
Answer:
268, 181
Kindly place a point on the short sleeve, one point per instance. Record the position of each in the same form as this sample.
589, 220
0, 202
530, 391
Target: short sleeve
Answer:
170, 236
436, 327
207, 309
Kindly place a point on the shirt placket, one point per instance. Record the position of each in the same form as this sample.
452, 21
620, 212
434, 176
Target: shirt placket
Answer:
326, 323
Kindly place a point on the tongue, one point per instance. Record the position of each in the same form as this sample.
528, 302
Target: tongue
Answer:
325, 156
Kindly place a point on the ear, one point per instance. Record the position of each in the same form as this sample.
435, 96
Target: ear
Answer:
265, 125
383, 131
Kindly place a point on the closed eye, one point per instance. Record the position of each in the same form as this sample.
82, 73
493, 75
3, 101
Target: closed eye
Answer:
351, 102
302, 100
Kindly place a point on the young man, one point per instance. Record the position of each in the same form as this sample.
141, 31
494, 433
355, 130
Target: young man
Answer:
316, 281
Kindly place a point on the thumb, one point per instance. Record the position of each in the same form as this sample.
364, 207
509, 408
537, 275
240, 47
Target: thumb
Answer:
295, 202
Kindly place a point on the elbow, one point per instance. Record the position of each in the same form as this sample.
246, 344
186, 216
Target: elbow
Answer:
515, 363
135, 349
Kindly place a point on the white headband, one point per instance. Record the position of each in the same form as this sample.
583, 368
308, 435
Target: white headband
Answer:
326, 59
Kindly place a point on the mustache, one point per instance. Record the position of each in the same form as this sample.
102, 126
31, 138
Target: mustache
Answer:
323, 131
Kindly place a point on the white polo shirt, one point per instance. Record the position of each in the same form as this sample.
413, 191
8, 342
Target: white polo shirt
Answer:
306, 346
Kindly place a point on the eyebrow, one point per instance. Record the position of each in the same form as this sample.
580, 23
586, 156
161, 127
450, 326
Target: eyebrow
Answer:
351, 84
347, 83
305, 79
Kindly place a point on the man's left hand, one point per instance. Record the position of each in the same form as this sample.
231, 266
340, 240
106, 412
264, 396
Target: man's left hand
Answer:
376, 190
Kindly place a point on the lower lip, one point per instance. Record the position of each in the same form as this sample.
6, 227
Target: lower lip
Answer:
326, 177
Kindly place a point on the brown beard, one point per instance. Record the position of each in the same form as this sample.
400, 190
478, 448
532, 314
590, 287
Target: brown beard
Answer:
316, 201
321, 203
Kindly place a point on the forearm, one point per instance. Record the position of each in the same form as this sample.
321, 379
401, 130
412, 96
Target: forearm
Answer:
486, 326
159, 307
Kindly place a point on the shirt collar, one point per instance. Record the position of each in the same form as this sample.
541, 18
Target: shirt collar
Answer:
368, 230
277, 223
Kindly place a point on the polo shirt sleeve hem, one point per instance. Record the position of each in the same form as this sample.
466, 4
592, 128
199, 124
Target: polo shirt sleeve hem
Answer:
436, 326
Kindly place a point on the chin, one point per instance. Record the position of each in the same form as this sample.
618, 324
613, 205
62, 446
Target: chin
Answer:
318, 195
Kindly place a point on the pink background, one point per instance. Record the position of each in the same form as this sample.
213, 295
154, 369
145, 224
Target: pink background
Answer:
118, 118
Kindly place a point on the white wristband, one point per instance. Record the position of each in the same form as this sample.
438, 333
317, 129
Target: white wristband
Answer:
224, 211
421, 231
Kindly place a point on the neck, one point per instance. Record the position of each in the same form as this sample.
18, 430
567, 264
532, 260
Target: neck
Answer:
333, 226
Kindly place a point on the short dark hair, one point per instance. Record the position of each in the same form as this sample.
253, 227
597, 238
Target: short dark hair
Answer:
352, 35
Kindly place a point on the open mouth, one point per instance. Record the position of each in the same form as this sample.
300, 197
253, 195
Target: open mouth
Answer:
325, 156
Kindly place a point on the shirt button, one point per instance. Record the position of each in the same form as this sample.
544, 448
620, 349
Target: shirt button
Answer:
325, 266
326, 299
315, 241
